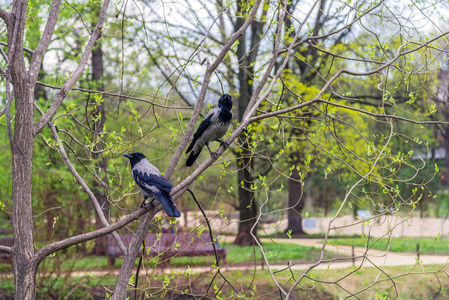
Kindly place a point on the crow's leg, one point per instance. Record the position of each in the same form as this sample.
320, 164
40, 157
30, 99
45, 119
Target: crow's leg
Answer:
148, 204
224, 144
213, 154
143, 202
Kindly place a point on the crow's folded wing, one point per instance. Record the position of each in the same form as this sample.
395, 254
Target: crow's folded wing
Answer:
203, 126
201, 129
147, 180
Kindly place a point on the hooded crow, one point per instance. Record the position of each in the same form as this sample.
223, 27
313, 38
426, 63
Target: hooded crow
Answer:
213, 128
151, 183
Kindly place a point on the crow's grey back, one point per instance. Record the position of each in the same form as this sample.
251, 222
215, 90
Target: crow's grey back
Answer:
145, 167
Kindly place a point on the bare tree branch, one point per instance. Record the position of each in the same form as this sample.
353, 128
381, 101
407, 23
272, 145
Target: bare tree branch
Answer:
6, 16
76, 74
5, 249
335, 31
128, 260
24, 48
211, 236
9, 62
118, 95
51, 248
39, 52
348, 193
310, 102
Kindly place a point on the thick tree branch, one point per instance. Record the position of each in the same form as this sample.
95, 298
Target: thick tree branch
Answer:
51, 248
28, 50
9, 61
39, 52
76, 74
6, 16
128, 260
5, 249
246, 119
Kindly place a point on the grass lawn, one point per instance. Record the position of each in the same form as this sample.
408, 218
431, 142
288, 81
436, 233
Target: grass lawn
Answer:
418, 282
427, 245
276, 253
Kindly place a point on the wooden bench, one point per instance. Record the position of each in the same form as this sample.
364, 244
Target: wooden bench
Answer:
170, 245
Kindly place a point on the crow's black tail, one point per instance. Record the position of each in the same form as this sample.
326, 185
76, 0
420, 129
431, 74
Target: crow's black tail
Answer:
192, 158
168, 204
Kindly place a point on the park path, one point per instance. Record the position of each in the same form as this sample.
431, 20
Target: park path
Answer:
375, 258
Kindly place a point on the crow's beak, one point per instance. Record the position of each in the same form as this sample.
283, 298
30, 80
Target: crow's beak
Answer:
127, 155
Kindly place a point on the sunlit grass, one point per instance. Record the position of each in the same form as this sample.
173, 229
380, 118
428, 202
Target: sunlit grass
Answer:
427, 245
416, 282
276, 253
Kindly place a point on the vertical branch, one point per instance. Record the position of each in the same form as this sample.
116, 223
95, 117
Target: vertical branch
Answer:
76, 74
9, 59
130, 257
210, 69
39, 52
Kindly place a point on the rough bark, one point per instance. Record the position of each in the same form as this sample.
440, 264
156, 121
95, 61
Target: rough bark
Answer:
22, 160
130, 257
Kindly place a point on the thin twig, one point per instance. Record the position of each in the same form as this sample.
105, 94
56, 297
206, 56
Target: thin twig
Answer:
86, 188
217, 261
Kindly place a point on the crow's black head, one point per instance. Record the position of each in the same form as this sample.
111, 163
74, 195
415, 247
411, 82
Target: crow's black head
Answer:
134, 157
225, 101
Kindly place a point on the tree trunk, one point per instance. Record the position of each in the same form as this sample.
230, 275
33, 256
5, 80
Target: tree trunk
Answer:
308, 197
295, 204
247, 202
22, 171
97, 127
22, 167
441, 101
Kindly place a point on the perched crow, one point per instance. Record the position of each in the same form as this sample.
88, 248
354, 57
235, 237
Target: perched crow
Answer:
151, 183
213, 128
